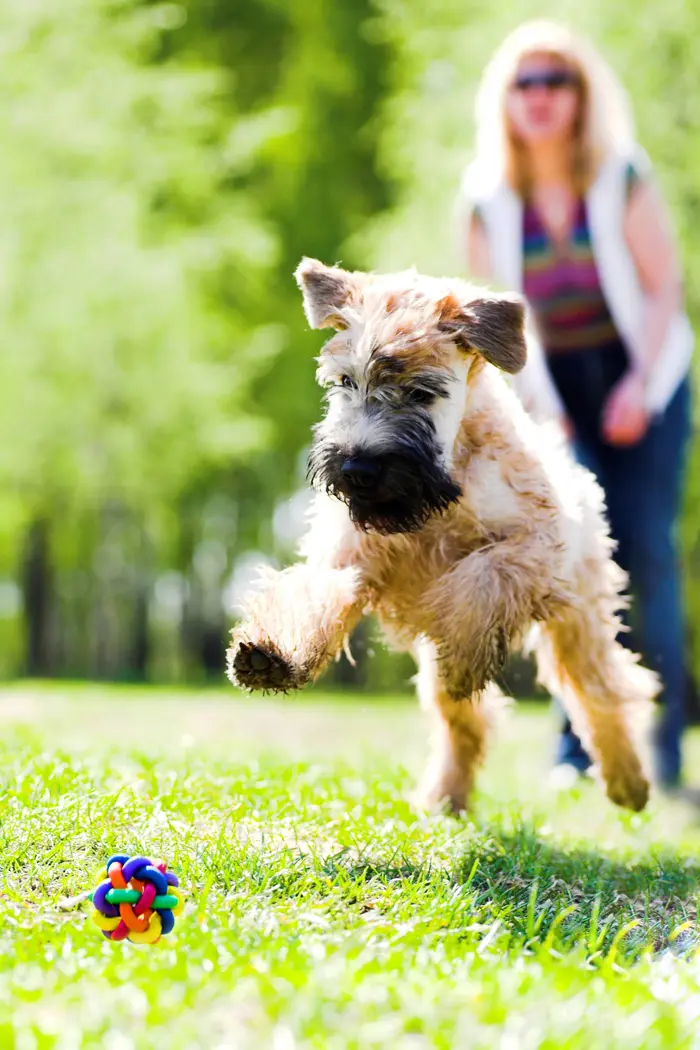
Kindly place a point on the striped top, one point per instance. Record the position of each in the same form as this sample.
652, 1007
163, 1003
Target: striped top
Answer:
561, 284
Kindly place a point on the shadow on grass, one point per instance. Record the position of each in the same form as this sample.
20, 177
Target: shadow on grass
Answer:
525, 885
601, 895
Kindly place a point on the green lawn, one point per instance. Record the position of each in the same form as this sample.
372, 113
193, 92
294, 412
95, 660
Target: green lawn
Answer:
321, 913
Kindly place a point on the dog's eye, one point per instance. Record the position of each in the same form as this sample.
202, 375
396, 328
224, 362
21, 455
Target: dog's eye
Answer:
348, 383
419, 396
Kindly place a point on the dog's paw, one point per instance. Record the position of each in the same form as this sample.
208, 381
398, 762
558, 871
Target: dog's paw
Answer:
442, 795
436, 804
255, 667
628, 791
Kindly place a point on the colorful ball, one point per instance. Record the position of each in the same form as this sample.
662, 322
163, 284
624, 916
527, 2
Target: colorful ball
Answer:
137, 901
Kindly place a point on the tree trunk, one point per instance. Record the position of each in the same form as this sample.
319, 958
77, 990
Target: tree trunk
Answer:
37, 587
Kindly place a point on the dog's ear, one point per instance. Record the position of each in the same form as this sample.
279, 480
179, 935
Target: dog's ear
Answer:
326, 290
494, 325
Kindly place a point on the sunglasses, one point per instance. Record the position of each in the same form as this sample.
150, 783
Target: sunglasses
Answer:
552, 79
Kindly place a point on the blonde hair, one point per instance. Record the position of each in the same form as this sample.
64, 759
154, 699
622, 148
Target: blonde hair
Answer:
604, 124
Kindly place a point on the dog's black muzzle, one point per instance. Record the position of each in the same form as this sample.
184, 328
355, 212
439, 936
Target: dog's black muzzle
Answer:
387, 492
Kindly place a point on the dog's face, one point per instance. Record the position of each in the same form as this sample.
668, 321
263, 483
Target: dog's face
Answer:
397, 374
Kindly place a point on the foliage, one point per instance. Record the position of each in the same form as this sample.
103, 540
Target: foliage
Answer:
117, 226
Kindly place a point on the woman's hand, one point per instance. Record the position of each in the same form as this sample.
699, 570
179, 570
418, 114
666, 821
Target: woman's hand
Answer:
625, 415
567, 427
648, 234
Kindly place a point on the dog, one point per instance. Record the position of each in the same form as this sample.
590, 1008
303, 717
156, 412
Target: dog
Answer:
444, 509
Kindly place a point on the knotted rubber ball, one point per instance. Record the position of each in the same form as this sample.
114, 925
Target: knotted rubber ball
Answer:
138, 900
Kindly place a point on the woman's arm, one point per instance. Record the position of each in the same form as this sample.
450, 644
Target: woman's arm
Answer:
648, 234
477, 249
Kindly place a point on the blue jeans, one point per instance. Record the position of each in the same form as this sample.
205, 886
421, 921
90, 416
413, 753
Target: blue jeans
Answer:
643, 485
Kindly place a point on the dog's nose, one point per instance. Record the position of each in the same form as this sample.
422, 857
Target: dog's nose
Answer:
361, 472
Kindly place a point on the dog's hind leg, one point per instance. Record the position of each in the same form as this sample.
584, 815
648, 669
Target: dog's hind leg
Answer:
295, 622
605, 691
459, 736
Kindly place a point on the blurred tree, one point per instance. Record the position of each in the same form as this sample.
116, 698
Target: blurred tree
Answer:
119, 218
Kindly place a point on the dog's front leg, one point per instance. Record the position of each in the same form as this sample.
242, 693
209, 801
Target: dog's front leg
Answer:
480, 605
294, 624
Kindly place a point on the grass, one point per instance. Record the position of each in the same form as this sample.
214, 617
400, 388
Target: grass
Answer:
321, 913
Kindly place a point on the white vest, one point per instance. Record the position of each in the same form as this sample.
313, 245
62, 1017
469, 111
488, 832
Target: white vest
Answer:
502, 212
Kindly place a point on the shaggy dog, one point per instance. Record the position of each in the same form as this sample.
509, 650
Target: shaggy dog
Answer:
445, 510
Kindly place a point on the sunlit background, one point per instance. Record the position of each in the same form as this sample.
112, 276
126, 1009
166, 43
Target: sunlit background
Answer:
163, 167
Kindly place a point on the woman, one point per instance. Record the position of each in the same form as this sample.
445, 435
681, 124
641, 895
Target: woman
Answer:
564, 209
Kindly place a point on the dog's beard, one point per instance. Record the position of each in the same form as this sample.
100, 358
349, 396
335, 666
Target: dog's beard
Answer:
413, 487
